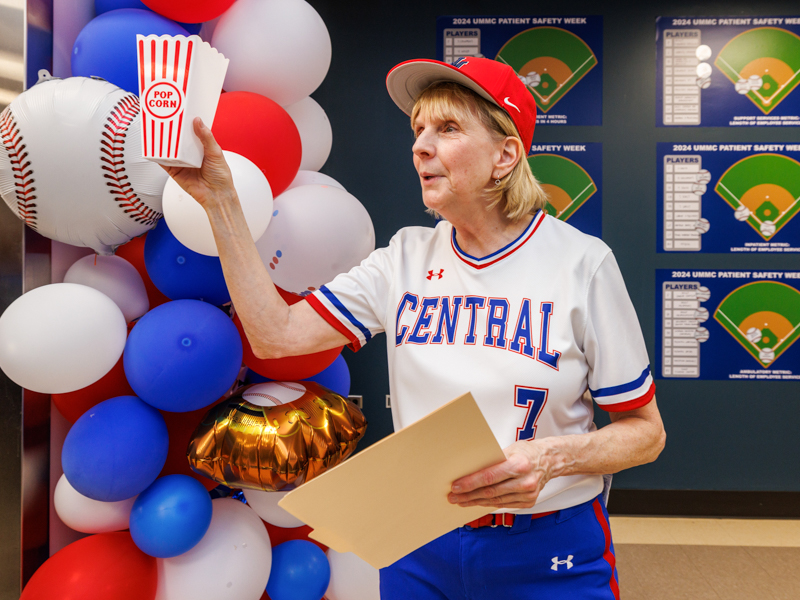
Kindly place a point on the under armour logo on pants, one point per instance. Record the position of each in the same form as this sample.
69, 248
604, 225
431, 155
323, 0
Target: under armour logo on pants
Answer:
557, 562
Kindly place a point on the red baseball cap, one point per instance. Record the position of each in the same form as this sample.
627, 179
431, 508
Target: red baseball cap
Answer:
492, 80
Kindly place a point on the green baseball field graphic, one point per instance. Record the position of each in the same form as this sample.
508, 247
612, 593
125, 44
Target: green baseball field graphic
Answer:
764, 317
763, 189
549, 60
765, 61
567, 184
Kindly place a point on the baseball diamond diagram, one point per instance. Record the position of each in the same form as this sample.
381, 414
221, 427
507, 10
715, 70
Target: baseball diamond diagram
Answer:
752, 335
551, 56
731, 198
571, 174
728, 71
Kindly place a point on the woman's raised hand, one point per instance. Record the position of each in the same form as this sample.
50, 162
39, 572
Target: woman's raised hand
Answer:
211, 185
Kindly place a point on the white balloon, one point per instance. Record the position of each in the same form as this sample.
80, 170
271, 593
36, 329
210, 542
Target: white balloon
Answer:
188, 221
79, 176
352, 578
90, 516
317, 232
266, 506
231, 562
315, 132
313, 178
116, 278
61, 337
280, 49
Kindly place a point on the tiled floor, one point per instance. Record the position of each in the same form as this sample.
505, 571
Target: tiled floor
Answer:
707, 559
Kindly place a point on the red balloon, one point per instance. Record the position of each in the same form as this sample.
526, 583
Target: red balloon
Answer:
106, 566
189, 11
278, 535
263, 132
289, 368
180, 427
133, 252
114, 383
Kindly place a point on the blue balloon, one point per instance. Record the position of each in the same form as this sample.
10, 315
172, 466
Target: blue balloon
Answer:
171, 516
104, 6
116, 449
336, 377
182, 355
180, 273
106, 47
300, 571
192, 28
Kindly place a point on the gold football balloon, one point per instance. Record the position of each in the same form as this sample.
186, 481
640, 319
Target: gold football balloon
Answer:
274, 436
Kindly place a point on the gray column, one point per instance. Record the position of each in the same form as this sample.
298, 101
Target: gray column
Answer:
26, 41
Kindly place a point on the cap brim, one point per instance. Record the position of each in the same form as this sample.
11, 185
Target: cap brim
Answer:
408, 80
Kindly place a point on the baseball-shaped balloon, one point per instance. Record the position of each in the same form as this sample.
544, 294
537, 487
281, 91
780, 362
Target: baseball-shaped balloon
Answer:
60, 338
317, 232
116, 278
262, 131
83, 514
71, 164
280, 49
188, 221
315, 132
313, 178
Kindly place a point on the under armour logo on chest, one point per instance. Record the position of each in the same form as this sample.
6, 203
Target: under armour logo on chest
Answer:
557, 562
438, 275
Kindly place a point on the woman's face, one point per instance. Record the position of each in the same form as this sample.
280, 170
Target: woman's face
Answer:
455, 162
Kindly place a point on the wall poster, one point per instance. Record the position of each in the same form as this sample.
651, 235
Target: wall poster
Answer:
571, 174
727, 71
727, 324
728, 198
552, 56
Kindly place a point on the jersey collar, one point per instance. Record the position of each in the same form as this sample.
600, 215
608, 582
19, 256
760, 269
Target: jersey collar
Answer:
494, 257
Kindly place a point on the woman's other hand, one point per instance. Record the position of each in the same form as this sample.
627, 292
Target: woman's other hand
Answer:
514, 483
211, 184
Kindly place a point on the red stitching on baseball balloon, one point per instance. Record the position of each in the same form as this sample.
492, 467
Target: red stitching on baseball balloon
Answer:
23, 173
112, 147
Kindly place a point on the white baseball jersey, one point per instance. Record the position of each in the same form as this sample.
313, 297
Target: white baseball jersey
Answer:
525, 329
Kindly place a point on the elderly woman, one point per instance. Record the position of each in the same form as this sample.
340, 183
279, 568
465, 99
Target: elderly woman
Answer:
499, 299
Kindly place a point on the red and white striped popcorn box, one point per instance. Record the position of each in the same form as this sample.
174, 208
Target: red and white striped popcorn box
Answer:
180, 78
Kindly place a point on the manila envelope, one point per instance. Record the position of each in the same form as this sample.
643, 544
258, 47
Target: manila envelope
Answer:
391, 498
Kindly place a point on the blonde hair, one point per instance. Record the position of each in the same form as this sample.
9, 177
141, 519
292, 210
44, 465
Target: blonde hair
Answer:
518, 193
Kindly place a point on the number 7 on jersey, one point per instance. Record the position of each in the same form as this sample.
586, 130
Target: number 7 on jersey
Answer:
533, 399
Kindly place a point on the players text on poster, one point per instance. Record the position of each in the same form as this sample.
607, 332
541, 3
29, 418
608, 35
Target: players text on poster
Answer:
559, 59
727, 71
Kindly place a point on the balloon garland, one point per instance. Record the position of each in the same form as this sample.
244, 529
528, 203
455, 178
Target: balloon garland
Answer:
139, 345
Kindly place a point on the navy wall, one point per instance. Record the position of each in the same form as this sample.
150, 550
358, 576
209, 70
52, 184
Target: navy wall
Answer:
722, 435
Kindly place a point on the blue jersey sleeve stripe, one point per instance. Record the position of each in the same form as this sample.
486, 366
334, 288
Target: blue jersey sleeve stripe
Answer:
621, 389
343, 309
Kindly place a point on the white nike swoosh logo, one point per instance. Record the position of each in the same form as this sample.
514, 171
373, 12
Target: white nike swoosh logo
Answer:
510, 104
